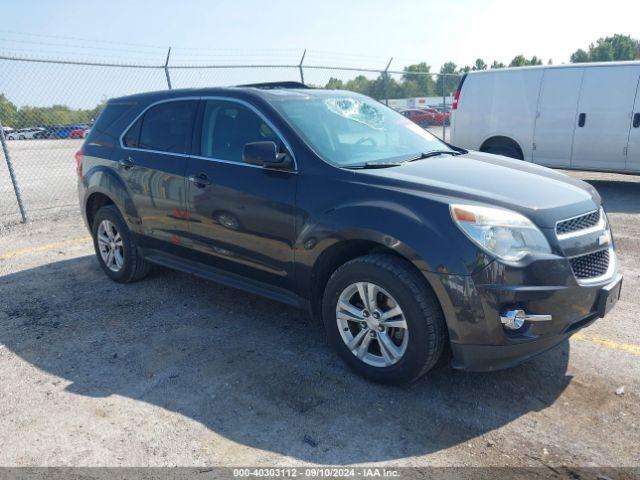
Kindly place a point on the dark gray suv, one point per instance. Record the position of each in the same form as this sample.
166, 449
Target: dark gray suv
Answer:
409, 249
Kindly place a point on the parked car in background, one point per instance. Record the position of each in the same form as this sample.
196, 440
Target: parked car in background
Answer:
577, 116
79, 132
422, 117
409, 249
7, 131
440, 116
55, 131
24, 133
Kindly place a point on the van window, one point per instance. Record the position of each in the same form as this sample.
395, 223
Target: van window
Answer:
167, 126
228, 126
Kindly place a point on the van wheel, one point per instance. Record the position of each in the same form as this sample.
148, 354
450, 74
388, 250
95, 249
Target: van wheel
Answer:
383, 319
502, 146
117, 252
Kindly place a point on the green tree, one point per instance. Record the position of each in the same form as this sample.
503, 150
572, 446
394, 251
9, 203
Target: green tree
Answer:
416, 81
8, 112
580, 56
615, 48
497, 64
602, 52
448, 79
479, 64
522, 61
360, 84
334, 84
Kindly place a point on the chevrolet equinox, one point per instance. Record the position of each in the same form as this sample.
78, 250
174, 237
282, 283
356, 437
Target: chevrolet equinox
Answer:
409, 249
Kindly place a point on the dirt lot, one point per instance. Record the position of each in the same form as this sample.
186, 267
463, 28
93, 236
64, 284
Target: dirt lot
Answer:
175, 370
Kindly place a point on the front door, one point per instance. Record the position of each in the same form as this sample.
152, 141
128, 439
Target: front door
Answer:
153, 162
603, 117
242, 216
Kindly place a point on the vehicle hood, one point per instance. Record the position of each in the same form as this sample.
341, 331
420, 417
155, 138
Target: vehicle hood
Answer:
542, 194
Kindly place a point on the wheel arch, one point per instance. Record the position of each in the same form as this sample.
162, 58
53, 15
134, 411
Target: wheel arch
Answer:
503, 140
103, 187
349, 247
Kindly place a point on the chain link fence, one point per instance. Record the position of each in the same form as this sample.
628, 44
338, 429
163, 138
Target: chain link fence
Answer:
47, 105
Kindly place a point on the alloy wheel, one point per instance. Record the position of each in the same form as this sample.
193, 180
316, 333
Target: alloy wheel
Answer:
110, 246
372, 324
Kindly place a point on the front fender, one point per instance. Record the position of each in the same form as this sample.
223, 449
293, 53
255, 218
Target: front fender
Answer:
425, 236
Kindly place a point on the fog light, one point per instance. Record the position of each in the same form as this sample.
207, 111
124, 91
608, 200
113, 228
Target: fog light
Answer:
513, 319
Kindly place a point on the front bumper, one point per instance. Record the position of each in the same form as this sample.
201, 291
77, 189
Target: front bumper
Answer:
472, 306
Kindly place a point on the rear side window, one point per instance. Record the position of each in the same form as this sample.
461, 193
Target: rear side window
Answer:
112, 112
165, 127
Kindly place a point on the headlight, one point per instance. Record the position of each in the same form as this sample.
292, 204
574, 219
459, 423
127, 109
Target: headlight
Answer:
502, 233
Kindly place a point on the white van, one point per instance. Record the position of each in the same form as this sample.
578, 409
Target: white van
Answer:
577, 116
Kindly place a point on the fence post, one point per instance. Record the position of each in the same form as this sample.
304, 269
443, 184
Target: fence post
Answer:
386, 82
300, 66
12, 174
166, 69
444, 102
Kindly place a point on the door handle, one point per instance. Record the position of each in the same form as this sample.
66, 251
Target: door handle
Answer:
127, 163
201, 180
636, 120
582, 118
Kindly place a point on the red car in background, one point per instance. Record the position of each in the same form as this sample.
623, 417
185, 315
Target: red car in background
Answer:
441, 115
423, 117
79, 133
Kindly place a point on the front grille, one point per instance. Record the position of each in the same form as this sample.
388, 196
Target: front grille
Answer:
578, 223
591, 265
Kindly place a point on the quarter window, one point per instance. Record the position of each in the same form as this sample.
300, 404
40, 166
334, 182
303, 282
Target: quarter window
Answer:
228, 126
165, 128
132, 137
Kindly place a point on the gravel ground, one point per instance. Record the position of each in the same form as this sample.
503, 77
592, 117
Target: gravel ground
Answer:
175, 370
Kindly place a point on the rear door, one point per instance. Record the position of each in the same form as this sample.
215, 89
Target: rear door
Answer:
153, 162
555, 119
633, 148
242, 216
604, 115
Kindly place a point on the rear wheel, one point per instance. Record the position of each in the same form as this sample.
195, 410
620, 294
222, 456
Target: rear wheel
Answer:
383, 319
115, 247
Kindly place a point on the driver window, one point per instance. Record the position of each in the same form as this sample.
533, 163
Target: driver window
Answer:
228, 126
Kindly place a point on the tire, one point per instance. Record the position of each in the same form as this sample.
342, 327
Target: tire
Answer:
504, 150
420, 310
133, 266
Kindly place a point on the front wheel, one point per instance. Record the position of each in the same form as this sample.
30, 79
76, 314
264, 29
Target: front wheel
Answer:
383, 319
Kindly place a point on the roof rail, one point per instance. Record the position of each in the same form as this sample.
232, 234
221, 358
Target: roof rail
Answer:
273, 85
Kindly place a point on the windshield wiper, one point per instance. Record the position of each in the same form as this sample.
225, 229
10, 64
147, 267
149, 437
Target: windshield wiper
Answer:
420, 156
433, 153
371, 165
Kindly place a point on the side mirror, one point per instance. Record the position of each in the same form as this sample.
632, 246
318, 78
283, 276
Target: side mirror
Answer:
265, 154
